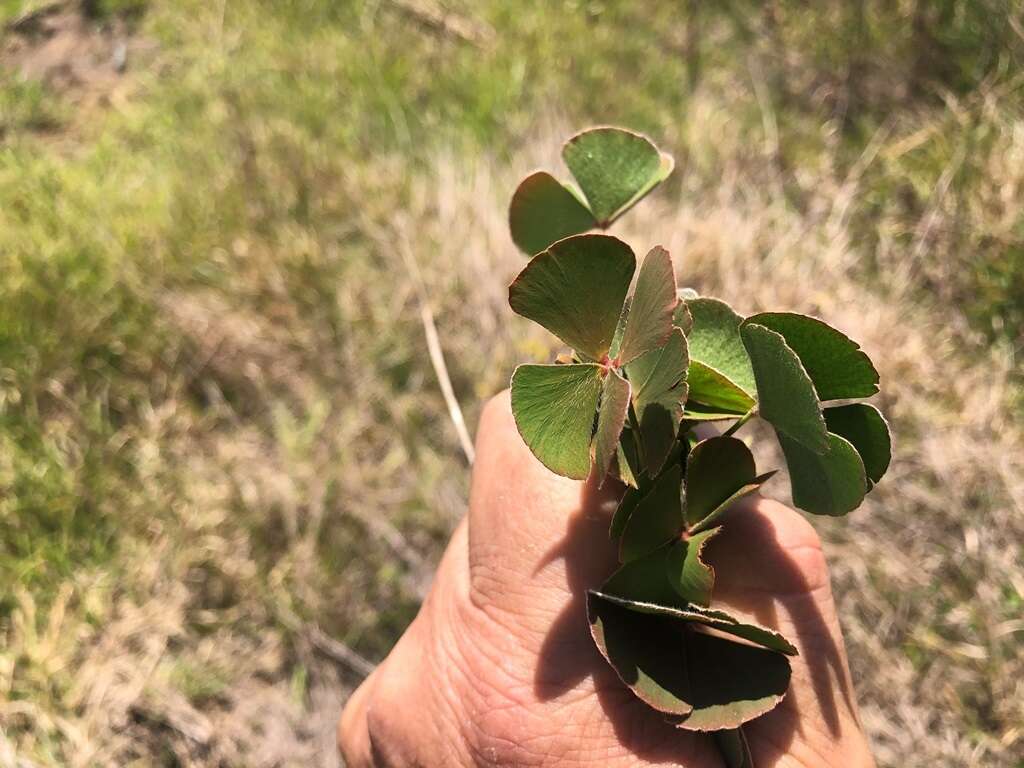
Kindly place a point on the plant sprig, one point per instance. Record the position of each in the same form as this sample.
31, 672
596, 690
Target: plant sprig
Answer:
647, 367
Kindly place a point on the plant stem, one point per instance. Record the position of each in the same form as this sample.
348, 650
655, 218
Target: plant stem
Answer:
740, 421
732, 745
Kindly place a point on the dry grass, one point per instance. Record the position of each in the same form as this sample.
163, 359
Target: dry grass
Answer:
280, 470
196, 659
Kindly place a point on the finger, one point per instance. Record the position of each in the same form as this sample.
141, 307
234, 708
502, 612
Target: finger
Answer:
536, 539
424, 668
771, 567
353, 732
768, 548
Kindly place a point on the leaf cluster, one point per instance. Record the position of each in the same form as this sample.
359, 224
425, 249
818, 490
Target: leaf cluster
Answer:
648, 364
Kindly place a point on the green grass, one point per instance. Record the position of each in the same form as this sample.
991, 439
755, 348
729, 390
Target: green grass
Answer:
216, 409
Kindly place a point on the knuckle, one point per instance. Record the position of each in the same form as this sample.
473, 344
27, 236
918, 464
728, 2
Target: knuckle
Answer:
505, 740
389, 741
498, 405
385, 740
351, 732
796, 531
345, 742
496, 412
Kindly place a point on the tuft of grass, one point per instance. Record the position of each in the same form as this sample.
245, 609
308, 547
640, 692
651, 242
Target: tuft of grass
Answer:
25, 105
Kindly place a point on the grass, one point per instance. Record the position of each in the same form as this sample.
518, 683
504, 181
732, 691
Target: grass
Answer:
221, 438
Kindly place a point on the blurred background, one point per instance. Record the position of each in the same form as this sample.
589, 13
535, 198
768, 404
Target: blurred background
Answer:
226, 465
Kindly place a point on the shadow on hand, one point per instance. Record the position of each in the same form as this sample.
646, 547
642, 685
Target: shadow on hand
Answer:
768, 578
765, 573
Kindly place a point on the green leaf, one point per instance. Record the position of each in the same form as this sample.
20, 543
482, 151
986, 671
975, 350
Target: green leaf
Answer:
657, 518
659, 391
865, 427
627, 505
615, 169
697, 412
576, 289
543, 211
689, 576
835, 363
642, 485
554, 407
716, 392
713, 517
682, 318
645, 651
620, 329
626, 462
713, 618
785, 393
715, 470
833, 483
645, 580
610, 420
723, 621
651, 309
731, 683
715, 343
709, 682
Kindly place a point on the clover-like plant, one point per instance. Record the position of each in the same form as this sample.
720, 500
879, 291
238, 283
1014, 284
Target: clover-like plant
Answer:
646, 368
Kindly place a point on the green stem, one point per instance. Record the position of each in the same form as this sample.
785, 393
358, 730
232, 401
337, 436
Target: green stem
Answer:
732, 745
741, 421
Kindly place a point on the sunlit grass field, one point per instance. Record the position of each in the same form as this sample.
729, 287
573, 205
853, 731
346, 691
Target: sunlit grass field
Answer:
226, 466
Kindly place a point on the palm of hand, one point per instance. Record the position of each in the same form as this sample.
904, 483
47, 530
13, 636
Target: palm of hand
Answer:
499, 668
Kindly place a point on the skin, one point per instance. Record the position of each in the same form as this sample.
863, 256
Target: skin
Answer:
499, 669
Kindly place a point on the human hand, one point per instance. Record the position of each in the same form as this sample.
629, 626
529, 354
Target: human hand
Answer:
499, 669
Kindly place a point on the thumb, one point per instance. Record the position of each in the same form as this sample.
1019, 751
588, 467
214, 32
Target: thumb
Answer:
537, 541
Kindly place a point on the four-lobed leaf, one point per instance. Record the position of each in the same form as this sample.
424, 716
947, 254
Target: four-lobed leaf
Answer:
561, 289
